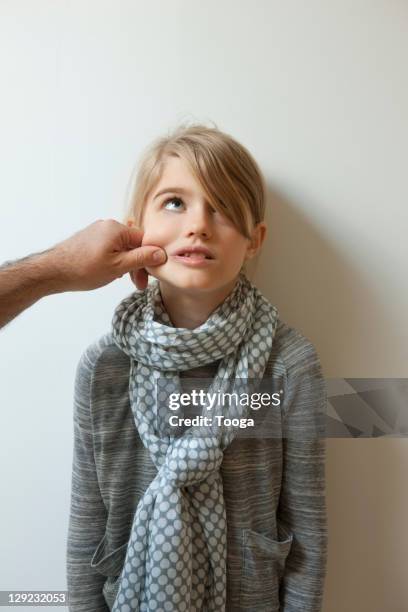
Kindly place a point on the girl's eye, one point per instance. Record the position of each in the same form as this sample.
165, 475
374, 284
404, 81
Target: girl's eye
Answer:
173, 200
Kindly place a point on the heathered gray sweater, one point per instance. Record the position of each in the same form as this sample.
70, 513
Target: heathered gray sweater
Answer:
274, 488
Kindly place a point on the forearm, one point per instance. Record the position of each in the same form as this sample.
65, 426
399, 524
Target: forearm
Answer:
23, 282
303, 510
88, 513
302, 504
86, 528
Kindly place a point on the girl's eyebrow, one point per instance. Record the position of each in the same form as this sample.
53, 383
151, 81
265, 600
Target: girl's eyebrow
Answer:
172, 190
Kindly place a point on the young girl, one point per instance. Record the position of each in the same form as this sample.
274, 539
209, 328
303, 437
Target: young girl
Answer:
193, 522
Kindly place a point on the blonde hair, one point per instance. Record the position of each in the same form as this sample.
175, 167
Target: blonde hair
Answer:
228, 174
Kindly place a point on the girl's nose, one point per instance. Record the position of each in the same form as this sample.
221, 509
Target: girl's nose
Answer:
199, 221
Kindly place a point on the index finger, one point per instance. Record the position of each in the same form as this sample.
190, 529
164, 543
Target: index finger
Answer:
135, 235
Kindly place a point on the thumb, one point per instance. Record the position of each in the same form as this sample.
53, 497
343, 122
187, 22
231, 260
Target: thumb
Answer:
141, 257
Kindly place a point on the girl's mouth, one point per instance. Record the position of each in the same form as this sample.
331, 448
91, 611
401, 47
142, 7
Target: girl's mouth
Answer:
193, 259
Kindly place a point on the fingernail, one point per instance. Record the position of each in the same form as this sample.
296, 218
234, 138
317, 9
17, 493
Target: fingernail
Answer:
158, 255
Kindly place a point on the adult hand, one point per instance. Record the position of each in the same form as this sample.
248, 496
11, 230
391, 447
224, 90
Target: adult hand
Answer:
89, 259
103, 251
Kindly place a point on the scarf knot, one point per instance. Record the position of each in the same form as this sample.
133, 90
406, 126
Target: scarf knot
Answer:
190, 460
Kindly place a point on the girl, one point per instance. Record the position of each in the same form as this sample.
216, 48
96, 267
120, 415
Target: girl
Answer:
207, 520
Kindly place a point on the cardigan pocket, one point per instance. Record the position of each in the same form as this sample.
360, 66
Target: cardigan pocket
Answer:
110, 590
109, 563
263, 564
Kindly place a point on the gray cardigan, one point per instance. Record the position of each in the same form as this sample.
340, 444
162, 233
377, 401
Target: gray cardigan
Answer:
274, 488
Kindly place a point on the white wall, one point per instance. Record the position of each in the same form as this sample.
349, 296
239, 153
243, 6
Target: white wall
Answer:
318, 92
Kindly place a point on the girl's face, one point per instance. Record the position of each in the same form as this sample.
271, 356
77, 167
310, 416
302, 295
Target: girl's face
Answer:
176, 216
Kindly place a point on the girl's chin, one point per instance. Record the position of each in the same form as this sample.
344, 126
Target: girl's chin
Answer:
189, 279
170, 272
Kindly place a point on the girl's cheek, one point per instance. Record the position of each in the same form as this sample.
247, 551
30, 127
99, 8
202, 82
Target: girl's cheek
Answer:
156, 233
152, 238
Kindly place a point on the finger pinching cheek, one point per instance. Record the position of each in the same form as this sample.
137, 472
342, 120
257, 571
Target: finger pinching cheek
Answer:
160, 256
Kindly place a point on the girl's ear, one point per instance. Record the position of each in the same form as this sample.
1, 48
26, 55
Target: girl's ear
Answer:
258, 236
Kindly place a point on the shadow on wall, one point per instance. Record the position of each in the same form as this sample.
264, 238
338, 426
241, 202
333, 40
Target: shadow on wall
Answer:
319, 291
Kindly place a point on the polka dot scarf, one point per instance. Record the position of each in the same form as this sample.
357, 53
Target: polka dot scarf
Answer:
176, 555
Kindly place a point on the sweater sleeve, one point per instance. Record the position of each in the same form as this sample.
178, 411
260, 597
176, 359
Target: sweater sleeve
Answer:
87, 519
302, 503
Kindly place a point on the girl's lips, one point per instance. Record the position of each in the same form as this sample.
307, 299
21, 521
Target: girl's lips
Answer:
193, 260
